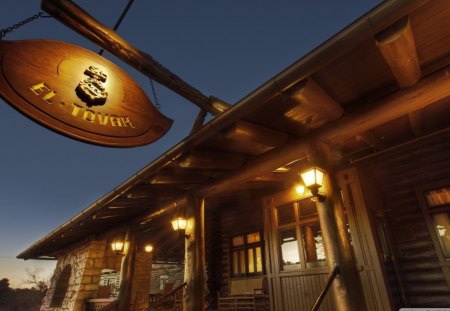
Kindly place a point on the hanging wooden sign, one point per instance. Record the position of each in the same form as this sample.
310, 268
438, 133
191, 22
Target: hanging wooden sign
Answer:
78, 93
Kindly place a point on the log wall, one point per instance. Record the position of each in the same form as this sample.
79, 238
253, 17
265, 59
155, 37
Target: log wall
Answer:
396, 174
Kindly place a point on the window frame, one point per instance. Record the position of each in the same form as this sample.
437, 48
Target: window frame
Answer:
429, 211
246, 247
298, 224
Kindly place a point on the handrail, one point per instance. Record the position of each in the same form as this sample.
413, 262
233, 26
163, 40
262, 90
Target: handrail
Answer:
112, 306
330, 280
167, 296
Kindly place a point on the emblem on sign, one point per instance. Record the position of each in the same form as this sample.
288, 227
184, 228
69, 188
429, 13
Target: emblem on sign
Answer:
92, 90
78, 93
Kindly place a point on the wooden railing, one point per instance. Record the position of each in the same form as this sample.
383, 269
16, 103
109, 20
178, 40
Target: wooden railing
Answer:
330, 280
170, 301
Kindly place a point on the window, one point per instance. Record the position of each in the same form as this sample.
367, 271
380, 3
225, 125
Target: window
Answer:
246, 255
300, 236
438, 207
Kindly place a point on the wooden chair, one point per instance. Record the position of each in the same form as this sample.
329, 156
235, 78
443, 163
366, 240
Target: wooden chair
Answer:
245, 294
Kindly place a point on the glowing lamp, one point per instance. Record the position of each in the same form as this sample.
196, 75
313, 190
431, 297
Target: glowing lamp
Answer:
300, 189
179, 223
117, 246
148, 248
313, 179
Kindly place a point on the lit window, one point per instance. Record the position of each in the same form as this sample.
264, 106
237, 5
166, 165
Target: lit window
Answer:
246, 255
438, 202
300, 236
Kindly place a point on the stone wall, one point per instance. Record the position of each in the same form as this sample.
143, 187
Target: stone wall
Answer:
76, 277
141, 281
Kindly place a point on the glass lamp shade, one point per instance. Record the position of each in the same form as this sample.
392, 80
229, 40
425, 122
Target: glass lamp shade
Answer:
179, 223
148, 248
300, 189
313, 178
117, 246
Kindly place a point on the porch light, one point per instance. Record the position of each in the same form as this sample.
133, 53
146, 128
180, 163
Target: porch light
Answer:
117, 246
148, 248
179, 224
313, 179
300, 189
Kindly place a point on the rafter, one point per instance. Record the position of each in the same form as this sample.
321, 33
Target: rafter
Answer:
311, 95
415, 119
252, 133
397, 45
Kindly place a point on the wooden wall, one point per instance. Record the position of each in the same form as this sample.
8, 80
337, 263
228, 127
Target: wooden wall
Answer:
222, 223
396, 174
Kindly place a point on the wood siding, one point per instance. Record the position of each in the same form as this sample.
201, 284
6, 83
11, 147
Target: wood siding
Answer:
221, 224
300, 292
396, 174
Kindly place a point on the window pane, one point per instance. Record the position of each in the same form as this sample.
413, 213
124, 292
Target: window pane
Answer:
442, 224
242, 261
235, 263
289, 248
251, 263
238, 240
253, 237
286, 214
438, 197
313, 244
259, 260
307, 208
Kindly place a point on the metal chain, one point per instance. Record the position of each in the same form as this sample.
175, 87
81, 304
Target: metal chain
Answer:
4, 31
157, 105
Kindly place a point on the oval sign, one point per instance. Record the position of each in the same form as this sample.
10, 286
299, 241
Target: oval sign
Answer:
78, 93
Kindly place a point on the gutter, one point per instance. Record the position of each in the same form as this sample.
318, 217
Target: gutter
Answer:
362, 29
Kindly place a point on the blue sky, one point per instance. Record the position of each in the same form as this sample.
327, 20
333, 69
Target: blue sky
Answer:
223, 48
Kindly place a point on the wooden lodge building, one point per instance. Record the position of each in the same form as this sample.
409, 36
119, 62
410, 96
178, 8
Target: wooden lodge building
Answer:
371, 108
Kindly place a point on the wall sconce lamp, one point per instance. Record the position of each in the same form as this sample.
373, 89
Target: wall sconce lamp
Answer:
117, 246
148, 248
313, 179
300, 189
179, 224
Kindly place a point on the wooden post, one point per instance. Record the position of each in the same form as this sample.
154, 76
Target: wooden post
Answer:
346, 288
194, 262
127, 270
79, 20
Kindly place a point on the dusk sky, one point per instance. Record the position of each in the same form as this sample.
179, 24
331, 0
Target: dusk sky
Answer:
223, 48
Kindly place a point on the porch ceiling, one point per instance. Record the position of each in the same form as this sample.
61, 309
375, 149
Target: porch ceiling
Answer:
349, 106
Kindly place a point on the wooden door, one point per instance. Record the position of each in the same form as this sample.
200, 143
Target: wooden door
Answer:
358, 204
296, 279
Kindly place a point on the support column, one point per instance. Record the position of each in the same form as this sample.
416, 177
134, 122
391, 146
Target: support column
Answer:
194, 261
127, 270
347, 289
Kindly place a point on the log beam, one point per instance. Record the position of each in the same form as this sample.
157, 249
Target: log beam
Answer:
168, 178
426, 92
153, 191
415, 120
370, 139
127, 270
79, 20
396, 44
204, 159
311, 95
248, 132
194, 262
